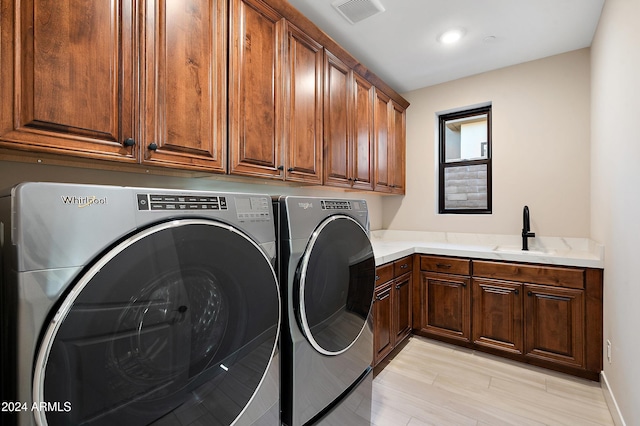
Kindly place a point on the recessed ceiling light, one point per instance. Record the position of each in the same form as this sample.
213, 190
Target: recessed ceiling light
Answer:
451, 36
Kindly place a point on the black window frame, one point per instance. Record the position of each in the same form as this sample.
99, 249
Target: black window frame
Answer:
443, 164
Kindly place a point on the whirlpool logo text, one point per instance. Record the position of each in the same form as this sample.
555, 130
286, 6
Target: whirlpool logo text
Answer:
82, 202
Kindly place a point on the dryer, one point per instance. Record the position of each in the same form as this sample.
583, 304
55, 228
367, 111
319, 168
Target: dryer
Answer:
127, 305
327, 275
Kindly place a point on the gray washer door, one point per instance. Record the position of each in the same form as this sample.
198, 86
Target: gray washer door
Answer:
171, 324
335, 285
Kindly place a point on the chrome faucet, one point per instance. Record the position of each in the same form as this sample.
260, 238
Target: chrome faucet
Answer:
526, 229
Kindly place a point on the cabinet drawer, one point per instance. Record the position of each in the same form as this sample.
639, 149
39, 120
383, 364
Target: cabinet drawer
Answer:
384, 273
402, 266
448, 265
549, 275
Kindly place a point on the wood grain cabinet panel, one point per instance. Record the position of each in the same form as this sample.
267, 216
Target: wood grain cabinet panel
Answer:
554, 324
348, 127
402, 288
398, 142
256, 103
389, 145
337, 116
70, 88
382, 152
361, 162
497, 315
446, 306
303, 162
392, 307
185, 97
96, 80
382, 322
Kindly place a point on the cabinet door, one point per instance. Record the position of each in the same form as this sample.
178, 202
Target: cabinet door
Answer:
382, 322
304, 127
337, 90
361, 160
382, 172
397, 159
497, 315
256, 106
402, 288
446, 306
69, 87
185, 93
554, 324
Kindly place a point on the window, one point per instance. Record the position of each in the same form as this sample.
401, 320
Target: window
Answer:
465, 161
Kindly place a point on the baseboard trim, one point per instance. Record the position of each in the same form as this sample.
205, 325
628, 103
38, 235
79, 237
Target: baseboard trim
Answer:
611, 401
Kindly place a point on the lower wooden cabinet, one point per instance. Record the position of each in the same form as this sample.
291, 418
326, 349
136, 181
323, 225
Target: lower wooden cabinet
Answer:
446, 308
497, 315
445, 298
554, 324
550, 316
382, 318
392, 307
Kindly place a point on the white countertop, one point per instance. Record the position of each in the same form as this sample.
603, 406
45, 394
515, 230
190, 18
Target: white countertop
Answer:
391, 245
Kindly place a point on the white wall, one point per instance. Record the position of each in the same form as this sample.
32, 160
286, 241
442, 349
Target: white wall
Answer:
540, 137
15, 172
615, 192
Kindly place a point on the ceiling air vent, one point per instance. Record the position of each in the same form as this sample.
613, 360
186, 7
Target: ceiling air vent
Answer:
357, 10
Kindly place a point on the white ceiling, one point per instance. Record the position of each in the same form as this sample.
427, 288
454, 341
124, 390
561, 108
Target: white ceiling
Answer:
399, 44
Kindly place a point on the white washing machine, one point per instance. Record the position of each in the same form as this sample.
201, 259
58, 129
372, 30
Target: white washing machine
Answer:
327, 278
136, 306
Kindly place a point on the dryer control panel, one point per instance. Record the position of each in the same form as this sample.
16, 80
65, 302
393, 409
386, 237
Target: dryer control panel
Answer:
180, 202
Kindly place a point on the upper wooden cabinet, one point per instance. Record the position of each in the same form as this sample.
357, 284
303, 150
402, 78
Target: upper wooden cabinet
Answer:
86, 84
256, 107
348, 126
246, 87
389, 131
68, 77
275, 97
184, 98
303, 134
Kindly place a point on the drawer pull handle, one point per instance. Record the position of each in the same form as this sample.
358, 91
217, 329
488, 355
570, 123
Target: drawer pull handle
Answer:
443, 265
405, 266
383, 297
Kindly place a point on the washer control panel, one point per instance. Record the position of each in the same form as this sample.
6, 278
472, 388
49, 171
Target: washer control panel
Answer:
180, 202
335, 205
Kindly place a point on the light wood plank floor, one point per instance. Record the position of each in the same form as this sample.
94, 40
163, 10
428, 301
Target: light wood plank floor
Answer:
433, 383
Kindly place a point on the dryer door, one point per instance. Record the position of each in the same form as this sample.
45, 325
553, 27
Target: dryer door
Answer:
335, 283
179, 322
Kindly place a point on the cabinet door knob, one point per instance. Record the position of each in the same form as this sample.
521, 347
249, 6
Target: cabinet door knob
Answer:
377, 277
516, 291
129, 142
290, 169
153, 146
529, 294
280, 167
